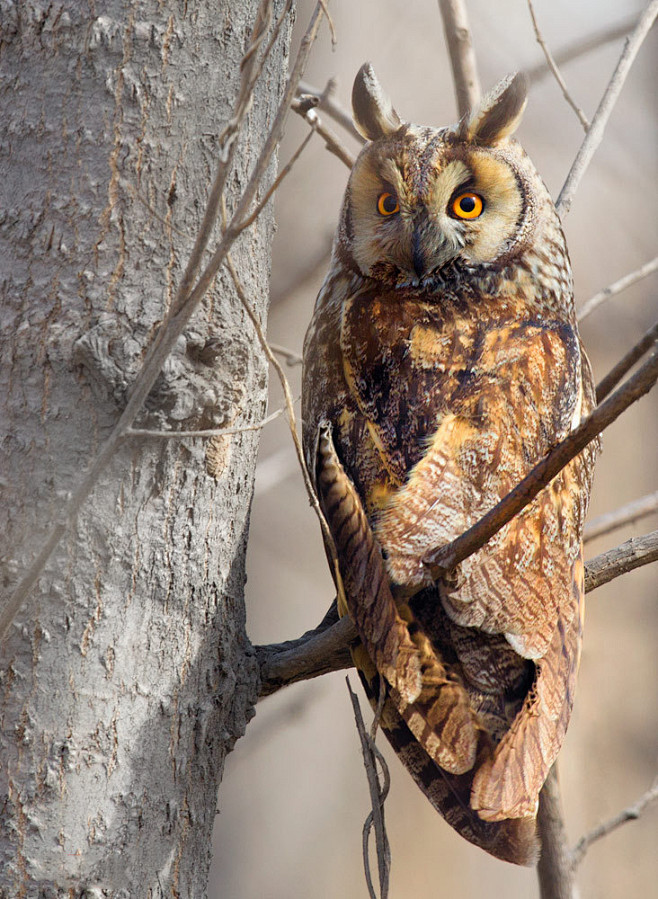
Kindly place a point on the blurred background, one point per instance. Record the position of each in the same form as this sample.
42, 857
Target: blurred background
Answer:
294, 796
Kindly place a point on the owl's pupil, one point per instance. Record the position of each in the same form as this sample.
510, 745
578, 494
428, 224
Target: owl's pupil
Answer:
467, 204
389, 203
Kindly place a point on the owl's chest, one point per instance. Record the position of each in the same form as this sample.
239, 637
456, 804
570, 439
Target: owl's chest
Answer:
403, 360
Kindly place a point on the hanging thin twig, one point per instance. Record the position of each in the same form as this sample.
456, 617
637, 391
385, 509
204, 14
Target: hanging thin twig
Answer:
378, 794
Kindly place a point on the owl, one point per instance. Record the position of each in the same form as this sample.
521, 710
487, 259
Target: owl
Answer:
442, 363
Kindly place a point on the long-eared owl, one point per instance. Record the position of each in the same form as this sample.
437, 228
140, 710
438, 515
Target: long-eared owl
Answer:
442, 363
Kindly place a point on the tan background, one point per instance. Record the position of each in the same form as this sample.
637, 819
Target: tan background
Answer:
294, 796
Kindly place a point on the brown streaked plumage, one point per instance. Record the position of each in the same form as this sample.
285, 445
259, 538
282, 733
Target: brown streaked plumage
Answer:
443, 362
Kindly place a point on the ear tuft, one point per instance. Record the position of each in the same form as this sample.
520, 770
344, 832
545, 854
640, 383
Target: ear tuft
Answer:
498, 114
374, 115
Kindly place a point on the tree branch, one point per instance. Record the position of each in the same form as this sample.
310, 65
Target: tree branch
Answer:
632, 813
554, 869
632, 554
627, 514
552, 65
619, 371
378, 794
595, 134
580, 48
644, 271
462, 54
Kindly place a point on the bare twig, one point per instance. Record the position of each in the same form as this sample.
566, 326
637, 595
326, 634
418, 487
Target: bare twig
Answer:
378, 794
331, 142
637, 385
627, 514
207, 432
462, 55
581, 48
632, 813
251, 218
619, 371
595, 134
185, 304
290, 356
327, 102
292, 420
552, 65
554, 869
632, 554
647, 269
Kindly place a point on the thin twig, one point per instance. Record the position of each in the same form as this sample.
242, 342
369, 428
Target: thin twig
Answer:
595, 134
581, 48
627, 514
327, 102
290, 356
554, 869
249, 73
166, 338
647, 269
331, 142
292, 420
207, 432
446, 558
632, 813
251, 218
552, 65
619, 371
378, 794
462, 54
634, 553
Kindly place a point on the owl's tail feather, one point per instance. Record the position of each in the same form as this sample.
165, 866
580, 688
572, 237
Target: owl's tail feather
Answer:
512, 840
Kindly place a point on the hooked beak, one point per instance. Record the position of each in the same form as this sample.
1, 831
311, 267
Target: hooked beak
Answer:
417, 256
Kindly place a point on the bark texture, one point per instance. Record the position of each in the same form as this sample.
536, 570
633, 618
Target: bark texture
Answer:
128, 676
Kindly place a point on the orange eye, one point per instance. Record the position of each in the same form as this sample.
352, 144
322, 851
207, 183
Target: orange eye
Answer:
467, 206
387, 204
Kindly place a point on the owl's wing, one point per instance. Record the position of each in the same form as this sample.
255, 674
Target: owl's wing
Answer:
429, 698
522, 397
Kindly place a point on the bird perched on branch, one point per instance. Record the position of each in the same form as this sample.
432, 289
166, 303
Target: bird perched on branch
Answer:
442, 363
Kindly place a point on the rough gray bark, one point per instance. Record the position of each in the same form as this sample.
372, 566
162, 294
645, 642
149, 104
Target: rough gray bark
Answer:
128, 676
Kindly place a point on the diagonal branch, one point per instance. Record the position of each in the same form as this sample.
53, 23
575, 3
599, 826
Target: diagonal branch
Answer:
619, 371
595, 134
627, 514
632, 813
447, 557
617, 287
552, 65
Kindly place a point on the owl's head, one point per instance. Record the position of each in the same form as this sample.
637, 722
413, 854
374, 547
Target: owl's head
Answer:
420, 199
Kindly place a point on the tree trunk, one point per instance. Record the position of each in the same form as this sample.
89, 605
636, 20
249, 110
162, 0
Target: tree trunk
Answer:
127, 677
